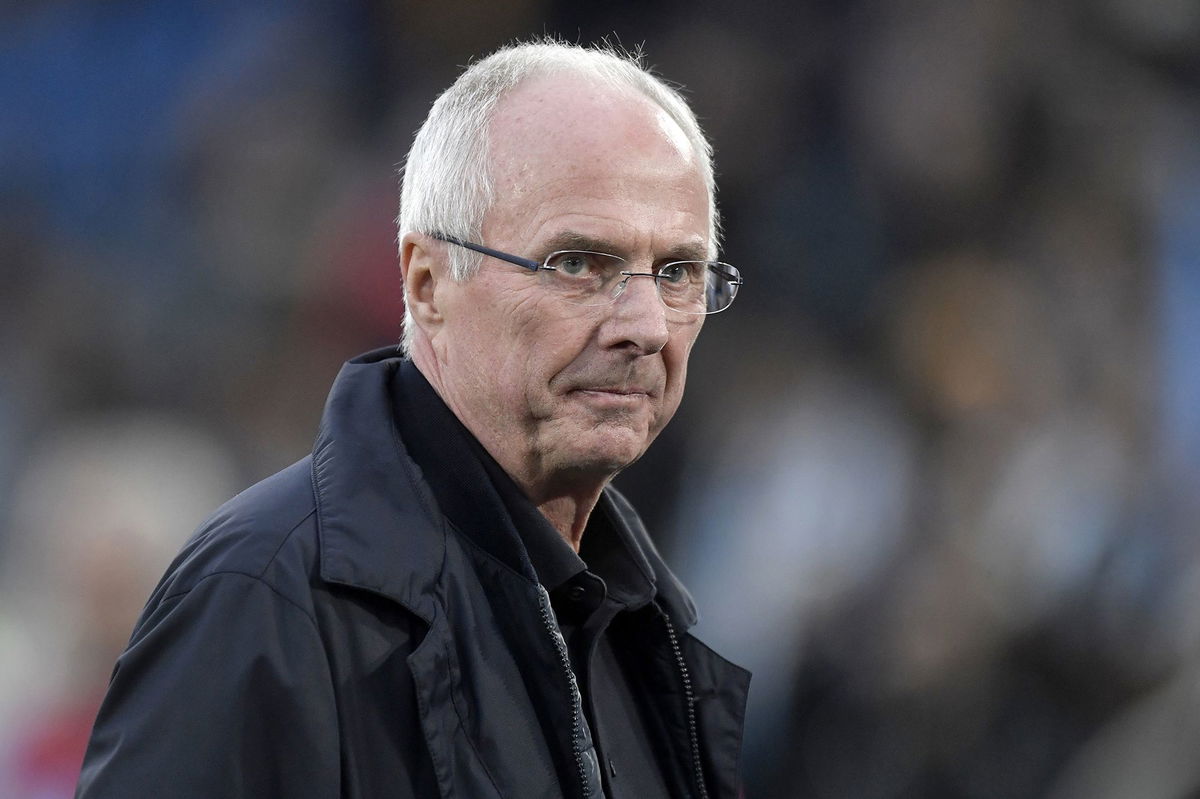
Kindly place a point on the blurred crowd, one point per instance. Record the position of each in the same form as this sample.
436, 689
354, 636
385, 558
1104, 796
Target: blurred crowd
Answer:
937, 477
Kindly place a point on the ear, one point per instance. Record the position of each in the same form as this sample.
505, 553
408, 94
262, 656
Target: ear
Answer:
422, 269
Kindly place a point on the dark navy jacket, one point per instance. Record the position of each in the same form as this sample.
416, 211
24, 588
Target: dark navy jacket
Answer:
328, 633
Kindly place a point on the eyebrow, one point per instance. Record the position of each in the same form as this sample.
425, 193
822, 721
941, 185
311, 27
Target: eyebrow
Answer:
573, 240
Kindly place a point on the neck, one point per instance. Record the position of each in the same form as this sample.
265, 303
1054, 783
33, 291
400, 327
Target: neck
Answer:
569, 515
565, 497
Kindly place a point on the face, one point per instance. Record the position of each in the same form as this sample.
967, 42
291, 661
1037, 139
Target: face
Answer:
562, 394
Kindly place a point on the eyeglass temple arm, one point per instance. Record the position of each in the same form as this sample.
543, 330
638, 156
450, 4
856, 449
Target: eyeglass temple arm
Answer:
737, 281
532, 266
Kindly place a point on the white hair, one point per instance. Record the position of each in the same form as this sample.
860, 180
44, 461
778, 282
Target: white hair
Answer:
446, 183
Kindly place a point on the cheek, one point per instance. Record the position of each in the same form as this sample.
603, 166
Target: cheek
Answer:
492, 333
549, 345
518, 358
534, 376
675, 357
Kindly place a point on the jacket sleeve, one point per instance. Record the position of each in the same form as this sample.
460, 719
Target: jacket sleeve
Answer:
224, 692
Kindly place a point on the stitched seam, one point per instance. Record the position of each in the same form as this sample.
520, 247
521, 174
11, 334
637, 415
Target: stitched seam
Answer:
426, 710
462, 725
256, 579
285, 539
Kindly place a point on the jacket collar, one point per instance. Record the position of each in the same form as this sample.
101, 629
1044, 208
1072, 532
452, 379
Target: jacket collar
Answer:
370, 497
379, 525
670, 593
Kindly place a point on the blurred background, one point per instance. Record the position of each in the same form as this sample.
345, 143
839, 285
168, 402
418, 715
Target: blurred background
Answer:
937, 477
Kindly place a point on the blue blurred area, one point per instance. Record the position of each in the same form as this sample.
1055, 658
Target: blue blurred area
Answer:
936, 479
93, 95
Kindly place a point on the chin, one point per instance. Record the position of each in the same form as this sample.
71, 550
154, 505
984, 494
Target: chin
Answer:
604, 451
613, 450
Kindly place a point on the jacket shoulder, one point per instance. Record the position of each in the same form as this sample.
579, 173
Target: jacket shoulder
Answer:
267, 532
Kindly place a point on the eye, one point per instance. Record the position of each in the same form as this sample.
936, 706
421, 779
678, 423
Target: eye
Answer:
679, 272
573, 264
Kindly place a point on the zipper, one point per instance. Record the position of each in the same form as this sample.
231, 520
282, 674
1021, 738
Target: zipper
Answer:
690, 700
586, 779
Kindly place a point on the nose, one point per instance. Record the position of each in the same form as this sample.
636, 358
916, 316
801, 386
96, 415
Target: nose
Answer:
639, 317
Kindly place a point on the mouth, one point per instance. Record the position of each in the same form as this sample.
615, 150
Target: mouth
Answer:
620, 384
612, 396
622, 391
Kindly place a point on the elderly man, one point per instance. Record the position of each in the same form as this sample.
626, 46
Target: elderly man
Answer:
447, 598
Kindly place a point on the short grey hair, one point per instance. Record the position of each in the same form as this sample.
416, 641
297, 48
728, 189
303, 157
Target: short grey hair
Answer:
446, 183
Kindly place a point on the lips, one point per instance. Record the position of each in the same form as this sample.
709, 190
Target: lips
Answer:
620, 390
623, 380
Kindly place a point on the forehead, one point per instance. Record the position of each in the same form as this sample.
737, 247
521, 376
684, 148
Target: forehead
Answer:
568, 111
563, 139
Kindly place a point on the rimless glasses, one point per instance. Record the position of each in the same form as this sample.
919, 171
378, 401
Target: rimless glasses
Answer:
584, 277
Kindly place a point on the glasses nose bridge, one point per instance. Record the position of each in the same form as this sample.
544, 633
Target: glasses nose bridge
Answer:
622, 286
